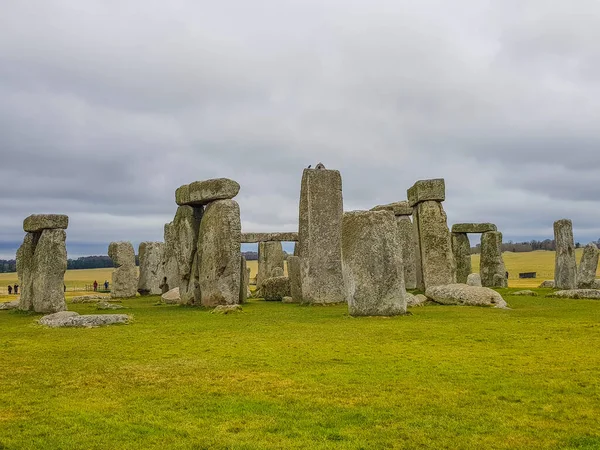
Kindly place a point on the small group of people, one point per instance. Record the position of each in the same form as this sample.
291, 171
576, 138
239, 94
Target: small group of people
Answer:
14, 288
105, 285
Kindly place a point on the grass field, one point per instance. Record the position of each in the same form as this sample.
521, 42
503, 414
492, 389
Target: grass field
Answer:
284, 376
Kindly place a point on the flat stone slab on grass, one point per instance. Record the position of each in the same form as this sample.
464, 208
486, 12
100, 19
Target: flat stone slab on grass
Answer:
9, 305
39, 222
578, 294
398, 208
473, 227
106, 305
227, 309
201, 193
71, 319
424, 190
90, 298
526, 293
465, 295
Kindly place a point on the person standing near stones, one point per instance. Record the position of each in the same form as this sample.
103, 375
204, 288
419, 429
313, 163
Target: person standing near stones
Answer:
95, 285
106, 285
16, 288
9, 289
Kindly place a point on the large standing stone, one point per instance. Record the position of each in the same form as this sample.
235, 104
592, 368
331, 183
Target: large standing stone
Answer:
170, 269
39, 222
219, 254
491, 267
270, 256
124, 277
293, 266
186, 226
201, 193
26, 271
565, 269
461, 248
372, 264
244, 280
320, 236
151, 269
586, 275
406, 236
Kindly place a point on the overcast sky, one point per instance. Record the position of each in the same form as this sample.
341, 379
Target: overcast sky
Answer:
108, 106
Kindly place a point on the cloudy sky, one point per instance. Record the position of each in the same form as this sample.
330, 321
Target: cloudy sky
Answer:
108, 106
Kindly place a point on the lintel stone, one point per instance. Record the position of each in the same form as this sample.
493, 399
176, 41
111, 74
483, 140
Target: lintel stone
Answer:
201, 193
253, 238
39, 222
473, 227
425, 190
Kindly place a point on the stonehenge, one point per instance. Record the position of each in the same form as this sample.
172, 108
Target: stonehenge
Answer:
151, 268
124, 277
565, 269
270, 256
255, 238
244, 280
586, 274
293, 265
42, 263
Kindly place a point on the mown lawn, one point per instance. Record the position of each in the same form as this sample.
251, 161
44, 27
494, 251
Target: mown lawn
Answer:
286, 376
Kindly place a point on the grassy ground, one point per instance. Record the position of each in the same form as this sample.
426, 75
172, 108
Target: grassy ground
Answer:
285, 376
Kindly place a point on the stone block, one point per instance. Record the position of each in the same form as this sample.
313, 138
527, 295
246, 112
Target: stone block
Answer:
275, 289
426, 190
38, 222
461, 248
125, 276
201, 193
491, 267
473, 227
565, 268
254, 238
151, 268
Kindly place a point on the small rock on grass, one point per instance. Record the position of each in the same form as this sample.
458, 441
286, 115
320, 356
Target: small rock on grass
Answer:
525, 293
227, 309
106, 305
9, 305
583, 294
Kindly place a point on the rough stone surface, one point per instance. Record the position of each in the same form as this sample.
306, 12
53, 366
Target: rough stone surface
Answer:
461, 248
547, 284
9, 305
372, 264
73, 319
589, 294
320, 236
172, 297
186, 226
270, 256
473, 227
107, 305
39, 222
437, 265
586, 274
406, 237
201, 193
274, 289
474, 279
415, 300
492, 268
525, 293
244, 280
124, 277
151, 268
565, 268
254, 238
219, 254
398, 208
464, 295
288, 300
277, 272
43, 264
89, 298
427, 190
293, 265
596, 284
227, 309
170, 270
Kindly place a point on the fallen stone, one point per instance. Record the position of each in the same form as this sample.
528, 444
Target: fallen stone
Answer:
398, 208
171, 297
547, 284
38, 222
565, 268
583, 294
73, 319
89, 298
586, 274
201, 193
106, 305
415, 300
9, 305
427, 190
151, 268
124, 277
525, 293
473, 227
274, 289
255, 238
287, 300
474, 279
464, 295
227, 309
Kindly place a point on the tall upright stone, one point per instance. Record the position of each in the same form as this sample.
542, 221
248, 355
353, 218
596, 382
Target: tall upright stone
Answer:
170, 270
588, 266
124, 277
151, 268
461, 248
219, 254
244, 280
565, 268
320, 236
293, 266
186, 226
372, 264
270, 256
491, 267
406, 236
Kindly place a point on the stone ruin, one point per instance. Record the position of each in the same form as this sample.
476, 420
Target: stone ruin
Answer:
42, 263
151, 268
124, 277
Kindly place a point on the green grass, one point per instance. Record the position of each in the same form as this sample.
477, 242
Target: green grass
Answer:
286, 376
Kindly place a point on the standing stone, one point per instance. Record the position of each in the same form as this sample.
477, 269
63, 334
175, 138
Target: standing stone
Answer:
186, 226
406, 236
293, 266
474, 279
586, 275
320, 236
170, 269
26, 271
151, 269
372, 264
219, 254
277, 272
244, 280
124, 277
270, 256
461, 248
491, 267
565, 269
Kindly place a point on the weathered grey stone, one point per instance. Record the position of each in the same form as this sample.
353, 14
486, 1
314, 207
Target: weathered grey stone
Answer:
565, 268
547, 284
293, 266
107, 305
9, 305
270, 256
474, 279
415, 300
398, 208
406, 237
89, 298
437, 265
254, 238
172, 297
492, 268
201, 193
372, 264
219, 254
244, 280
288, 300
73, 319
596, 284
274, 289
427, 190
473, 227
26, 271
277, 272
320, 236
227, 309
124, 277
586, 294
151, 268
586, 274
186, 226
170, 270
461, 248
525, 293
39, 222
464, 295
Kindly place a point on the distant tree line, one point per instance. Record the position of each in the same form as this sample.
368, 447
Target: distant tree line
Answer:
522, 247
8, 265
84, 262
